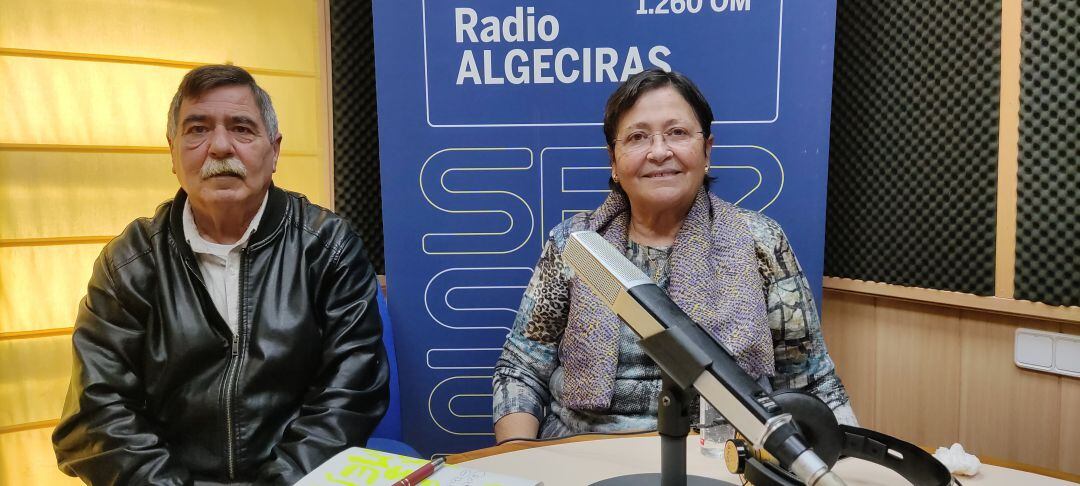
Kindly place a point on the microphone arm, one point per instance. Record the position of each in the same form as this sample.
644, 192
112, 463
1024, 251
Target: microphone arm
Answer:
691, 357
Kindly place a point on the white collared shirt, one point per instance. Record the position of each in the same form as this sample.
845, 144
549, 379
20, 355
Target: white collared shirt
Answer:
220, 264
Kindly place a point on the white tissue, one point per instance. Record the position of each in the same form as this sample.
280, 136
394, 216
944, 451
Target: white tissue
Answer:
958, 461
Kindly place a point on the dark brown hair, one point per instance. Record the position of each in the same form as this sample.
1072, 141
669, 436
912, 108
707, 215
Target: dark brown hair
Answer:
202, 79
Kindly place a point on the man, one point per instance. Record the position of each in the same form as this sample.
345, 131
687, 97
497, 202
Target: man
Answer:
234, 336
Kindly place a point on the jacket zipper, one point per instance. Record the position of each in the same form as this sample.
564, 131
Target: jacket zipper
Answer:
232, 371
230, 453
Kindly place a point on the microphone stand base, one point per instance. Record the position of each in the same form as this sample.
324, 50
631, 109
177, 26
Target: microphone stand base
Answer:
653, 479
673, 425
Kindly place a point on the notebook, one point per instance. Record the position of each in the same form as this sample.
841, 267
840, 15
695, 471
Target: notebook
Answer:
357, 466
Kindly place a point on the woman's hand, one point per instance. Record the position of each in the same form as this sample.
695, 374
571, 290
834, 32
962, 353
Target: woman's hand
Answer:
518, 425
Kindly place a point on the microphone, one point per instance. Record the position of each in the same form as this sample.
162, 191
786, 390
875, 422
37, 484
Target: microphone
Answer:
691, 357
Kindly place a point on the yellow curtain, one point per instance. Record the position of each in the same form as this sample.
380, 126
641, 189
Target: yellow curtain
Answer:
85, 85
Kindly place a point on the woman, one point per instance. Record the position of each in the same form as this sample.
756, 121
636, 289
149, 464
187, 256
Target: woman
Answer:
570, 365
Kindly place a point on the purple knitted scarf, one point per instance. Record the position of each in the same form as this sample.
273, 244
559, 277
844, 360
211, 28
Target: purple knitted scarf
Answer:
715, 278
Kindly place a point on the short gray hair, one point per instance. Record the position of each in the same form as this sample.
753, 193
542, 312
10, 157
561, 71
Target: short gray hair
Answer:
202, 79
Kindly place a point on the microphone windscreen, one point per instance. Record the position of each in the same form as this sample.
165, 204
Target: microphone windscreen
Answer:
606, 270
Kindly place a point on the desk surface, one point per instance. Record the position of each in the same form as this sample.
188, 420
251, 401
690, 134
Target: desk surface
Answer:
584, 462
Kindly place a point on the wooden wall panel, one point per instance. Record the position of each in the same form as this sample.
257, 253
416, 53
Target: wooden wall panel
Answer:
32, 389
269, 34
41, 286
938, 375
26, 457
851, 335
1006, 411
1069, 449
918, 372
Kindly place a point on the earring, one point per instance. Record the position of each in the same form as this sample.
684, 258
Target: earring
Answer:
615, 177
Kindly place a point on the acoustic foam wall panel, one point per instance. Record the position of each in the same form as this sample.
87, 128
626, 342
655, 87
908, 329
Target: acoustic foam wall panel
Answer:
357, 194
1048, 179
913, 144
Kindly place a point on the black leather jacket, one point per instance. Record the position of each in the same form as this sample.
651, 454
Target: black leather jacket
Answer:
162, 392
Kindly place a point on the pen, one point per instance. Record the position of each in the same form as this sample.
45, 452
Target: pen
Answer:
421, 474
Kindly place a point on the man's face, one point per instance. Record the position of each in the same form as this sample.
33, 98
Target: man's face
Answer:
221, 153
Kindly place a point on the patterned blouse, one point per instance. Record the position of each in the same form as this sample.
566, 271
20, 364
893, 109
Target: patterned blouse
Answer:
529, 378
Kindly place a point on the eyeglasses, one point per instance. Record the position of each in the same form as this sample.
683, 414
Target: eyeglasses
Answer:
640, 141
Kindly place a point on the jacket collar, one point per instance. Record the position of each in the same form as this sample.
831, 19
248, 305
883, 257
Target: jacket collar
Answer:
272, 220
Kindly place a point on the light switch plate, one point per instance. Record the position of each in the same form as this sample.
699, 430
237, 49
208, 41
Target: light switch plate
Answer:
1051, 352
1067, 355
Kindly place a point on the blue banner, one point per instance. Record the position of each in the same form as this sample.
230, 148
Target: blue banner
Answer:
490, 117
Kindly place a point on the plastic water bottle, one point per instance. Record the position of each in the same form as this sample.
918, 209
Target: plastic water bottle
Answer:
715, 430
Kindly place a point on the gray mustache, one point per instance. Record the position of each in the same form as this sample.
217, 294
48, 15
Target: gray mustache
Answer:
228, 167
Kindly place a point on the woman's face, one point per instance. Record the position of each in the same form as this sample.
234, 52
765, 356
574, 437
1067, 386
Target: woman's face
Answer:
660, 158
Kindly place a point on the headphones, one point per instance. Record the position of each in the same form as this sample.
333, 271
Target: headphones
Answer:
832, 441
